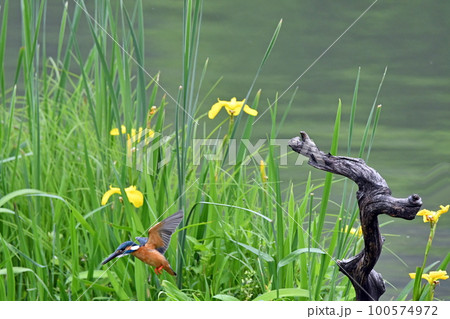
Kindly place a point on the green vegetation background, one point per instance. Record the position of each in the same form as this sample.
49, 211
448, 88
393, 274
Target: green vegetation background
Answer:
57, 112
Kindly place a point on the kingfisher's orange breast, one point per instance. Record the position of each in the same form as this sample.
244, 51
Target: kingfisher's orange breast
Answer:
151, 257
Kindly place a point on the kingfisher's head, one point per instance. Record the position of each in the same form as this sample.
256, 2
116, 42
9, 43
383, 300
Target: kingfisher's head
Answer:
124, 249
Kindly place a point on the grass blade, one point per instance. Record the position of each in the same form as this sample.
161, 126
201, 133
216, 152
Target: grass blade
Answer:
282, 293
263, 61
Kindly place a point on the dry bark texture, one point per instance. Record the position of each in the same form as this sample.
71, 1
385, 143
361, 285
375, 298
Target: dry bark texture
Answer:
374, 198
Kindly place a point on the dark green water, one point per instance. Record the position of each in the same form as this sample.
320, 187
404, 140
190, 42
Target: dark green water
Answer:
411, 38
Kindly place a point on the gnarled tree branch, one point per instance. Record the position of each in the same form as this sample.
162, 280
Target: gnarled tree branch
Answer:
374, 198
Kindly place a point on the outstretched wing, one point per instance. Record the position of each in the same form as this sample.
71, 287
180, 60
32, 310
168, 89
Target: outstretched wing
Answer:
159, 235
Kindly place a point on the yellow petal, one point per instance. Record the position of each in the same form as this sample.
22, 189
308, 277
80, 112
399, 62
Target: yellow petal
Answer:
442, 211
141, 133
115, 131
424, 276
250, 111
107, 195
423, 212
129, 146
428, 278
234, 110
233, 107
432, 277
215, 109
136, 135
428, 215
262, 170
440, 274
149, 137
134, 196
354, 231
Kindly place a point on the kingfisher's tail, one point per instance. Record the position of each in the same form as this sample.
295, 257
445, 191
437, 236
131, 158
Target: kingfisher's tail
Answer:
170, 270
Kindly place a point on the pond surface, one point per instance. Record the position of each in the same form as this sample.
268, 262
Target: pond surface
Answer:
410, 38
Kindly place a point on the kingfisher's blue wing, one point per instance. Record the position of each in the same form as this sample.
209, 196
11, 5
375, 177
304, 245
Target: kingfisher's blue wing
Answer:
142, 240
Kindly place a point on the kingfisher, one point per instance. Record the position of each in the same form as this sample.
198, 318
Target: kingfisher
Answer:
151, 249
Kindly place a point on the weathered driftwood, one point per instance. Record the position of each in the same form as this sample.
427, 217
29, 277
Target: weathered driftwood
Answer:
374, 198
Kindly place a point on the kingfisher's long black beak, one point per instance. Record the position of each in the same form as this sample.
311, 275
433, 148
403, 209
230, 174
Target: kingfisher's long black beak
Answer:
115, 254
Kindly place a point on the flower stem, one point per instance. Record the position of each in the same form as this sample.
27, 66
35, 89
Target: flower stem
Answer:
431, 292
417, 290
226, 138
430, 240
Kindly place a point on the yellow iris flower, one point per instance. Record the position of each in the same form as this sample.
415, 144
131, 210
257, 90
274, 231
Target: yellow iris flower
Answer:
134, 132
134, 196
430, 216
432, 277
353, 231
136, 136
262, 170
233, 108
358, 231
115, 131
